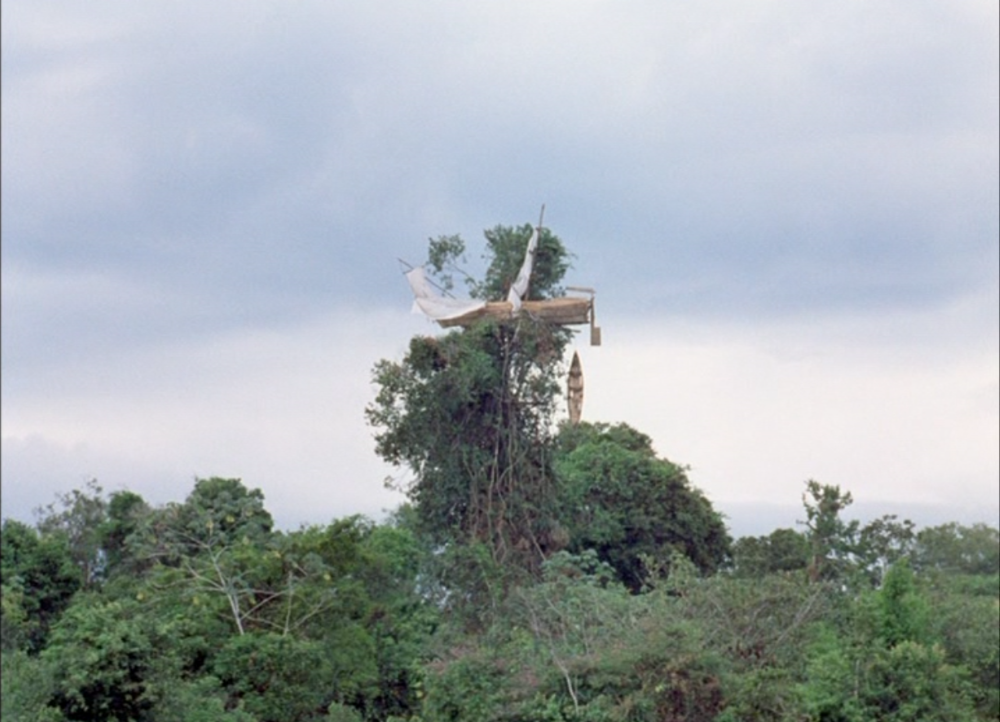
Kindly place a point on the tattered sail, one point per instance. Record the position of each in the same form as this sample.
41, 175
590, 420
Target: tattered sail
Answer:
432, 304
519, 289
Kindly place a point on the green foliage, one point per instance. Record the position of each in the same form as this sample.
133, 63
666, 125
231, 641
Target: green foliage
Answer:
108, 661
761, 694
623, 501
28, 685
469, 414
830, 693
39, 578
275, 678
78, 517
884, 662
760, 629
831, 539
956, 548
355, 620
14, 624
378, 627
125, 513
578, 646
913, 683
576, 609
787, 550
472, 687
219, 512
504, 255
347, 591
883, 543
505, 249
783, 550
760, 623
443, 256
903, 613
342, 713
200, 699
217, 549
967, 625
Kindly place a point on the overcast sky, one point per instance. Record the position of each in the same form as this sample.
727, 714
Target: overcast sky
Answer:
789, 211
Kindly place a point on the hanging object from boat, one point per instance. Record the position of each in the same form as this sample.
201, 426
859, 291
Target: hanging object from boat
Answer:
575, 390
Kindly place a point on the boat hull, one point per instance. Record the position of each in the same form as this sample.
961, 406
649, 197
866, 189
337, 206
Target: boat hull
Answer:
563, 311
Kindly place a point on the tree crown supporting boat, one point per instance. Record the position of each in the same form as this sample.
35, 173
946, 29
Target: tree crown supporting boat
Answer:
449, 312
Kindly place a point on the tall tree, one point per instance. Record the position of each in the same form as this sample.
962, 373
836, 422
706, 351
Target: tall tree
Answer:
79, 516
832, 540
470, 413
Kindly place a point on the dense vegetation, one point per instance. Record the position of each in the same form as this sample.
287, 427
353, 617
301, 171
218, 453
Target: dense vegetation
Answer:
540, 573
115, 610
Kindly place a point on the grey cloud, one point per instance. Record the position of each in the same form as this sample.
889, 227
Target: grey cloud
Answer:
174, 173
275, 154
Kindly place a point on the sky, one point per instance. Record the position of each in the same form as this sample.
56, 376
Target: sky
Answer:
789, 212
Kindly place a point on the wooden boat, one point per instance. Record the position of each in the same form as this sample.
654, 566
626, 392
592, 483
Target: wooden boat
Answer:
449, 312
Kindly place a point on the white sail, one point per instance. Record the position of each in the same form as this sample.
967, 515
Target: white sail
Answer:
519, 289
428, 301
431, 303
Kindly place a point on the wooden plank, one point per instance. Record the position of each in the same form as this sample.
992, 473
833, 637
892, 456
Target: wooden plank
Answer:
562, 311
